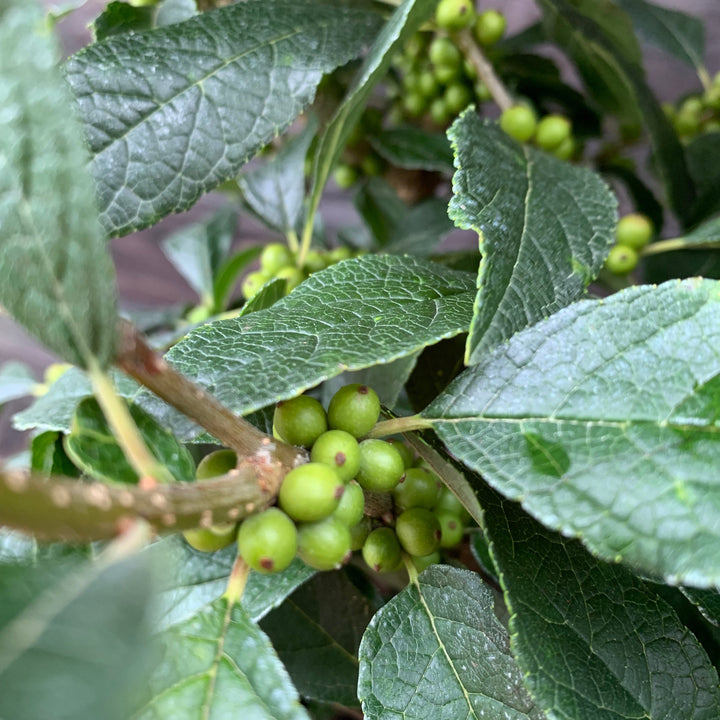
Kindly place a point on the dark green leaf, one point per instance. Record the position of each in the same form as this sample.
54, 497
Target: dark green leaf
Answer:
56, 276
437, 650
380, 207
703, 158
49, 457
275, 191
616, 80
611, 647
93, 448
216, 88
643, 197
16, 381
316, 632
74, 639
192, 579
414, 148
120, 17
544, 225
198, 251
707, 601
228, 274
675, 32
361, 312
272, 291
603, 422
406, 19
219, 663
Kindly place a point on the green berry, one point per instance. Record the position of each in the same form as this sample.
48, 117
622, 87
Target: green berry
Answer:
359, 533
418, 487
451, 529
634, 231
355, 409
267, 541
351, 507
310, 492
405, 451
339, 450
621, 260
489, 27
372, 165
324, 545
381, 550
275, 256
253, 282
566, 149
551, 131
457, 97
381, 466
439, 112
519, 122
300, 421
345, 176
414, 104
482, 93
208, 540
418, 531
425, 561
339, 254
216, 463
293, 277
447, 73
428, 85
448, 502
443, 51
315, 261
454, 15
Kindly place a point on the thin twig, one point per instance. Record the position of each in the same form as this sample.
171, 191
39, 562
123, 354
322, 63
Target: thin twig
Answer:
486, 72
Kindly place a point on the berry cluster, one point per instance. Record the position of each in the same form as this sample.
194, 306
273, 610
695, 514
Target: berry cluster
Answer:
632, 234
552, 133
698, 113
354, 494
278, 261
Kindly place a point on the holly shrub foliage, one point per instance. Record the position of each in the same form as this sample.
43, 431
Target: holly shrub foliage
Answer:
541, 538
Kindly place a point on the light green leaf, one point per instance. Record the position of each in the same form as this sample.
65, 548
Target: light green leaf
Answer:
316, 633
16, 381
219, 664
403, 23
194, 579
74, 639
545, 228
170, 12
603, 422
215, 89
414, 148
676, 32
436, 651
618, 81
611, 648
93, 448
16, 548
358, 313
56, 276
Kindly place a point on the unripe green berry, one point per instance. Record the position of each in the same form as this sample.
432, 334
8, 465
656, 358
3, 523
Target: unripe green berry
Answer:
566, 149
443, 51
355, 409
457, 97
418, 531
405, 451
339, 254
551, 131
439, 112
414, 104
351, 507
447, 73
267, 541
293, 277
359, 533
634, 231
324, 545
372, 165
310, 492
381, 550
208, 540
448, 502
275, 256
381, 466
621, 260
253, 282
315, 261
482, 92
216, 463
454, 15
418, 487
519, 122
489, 27
428, 85
340, 450
345, 176
425, 561
300, 421
451, 529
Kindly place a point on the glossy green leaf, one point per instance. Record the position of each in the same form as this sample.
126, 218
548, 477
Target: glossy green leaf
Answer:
219, 664
611, 648
16, 381
213, 91
618, 81
707, 601
275, 191
192, 579
56, 276
272, 291
703, 158
436, 650
121, 17
675, 32
94, 449
603, 422
74, 639
414, 148
544, 228
316, 632
361, 312
643, 197
198, 251
228, 274
406, 19
49, 457
16, 548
